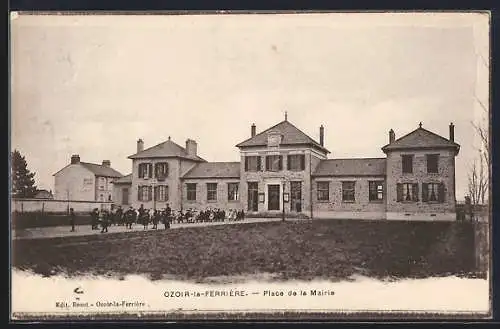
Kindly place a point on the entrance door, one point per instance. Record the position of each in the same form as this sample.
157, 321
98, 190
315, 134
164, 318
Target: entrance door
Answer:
253, 196
273, 192
296, 196
125, 196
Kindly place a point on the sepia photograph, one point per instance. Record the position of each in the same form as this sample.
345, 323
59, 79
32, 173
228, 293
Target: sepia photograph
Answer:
250, 165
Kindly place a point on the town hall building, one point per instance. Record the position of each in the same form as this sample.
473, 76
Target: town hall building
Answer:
284, 170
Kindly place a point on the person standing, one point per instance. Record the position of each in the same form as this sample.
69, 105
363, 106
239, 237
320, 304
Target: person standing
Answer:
168, 216
94, 218
105, 221
72, 219
156, 219
119, 216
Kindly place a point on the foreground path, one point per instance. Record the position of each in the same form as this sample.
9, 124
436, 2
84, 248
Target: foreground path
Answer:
81, 230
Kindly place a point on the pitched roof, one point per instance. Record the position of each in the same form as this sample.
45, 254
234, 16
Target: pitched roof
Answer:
167, 149
214, 170
43, 194
291, 136
421, 138
351, 167
100, 170
123, 180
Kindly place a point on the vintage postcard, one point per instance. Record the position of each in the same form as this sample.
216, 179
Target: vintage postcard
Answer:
250, 165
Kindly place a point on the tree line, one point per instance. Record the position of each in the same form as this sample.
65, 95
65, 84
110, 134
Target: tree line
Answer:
22, 179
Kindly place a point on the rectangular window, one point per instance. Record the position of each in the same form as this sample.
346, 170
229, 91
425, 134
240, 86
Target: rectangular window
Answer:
211, 191
296, 196
145, 170
274, 162
376, 190
125, 196
232, 192
191, 191
296, 162
161, 170
432, 163
145, 193
252, 163
348, 191
323, 191
161, 193
253, 193
407, 162
433, 192
407, 192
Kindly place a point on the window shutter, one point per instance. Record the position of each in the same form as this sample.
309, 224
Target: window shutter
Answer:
156, 189
281, 162
150, 170
267, 163
399, 192
139, 193
150, 193
259, 163
166, 169
140, 170
288, 162
302, 162
441, 193
415, 191
246, 163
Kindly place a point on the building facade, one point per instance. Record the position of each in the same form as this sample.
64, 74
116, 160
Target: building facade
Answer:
84, 181
282, 170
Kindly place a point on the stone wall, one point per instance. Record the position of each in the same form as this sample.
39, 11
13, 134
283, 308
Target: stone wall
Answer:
118, 194
202, 203
336, 208
446, 175
55, 206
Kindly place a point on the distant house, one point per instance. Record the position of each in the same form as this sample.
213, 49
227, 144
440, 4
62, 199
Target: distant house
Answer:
43, 194
83, 181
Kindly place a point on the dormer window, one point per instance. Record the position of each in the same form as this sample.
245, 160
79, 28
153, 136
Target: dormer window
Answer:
274, 139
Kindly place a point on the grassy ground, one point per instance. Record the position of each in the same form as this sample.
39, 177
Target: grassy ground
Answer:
329, 249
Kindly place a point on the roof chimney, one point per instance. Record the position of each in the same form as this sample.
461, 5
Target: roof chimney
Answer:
392, 136
75, 159
322, 135
106, 163
452, 132
140, 145
253, 130
191, 147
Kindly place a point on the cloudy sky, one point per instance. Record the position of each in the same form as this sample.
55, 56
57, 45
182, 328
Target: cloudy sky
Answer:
93, 85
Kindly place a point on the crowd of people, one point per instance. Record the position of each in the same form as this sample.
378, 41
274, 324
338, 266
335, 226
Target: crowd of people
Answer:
118, 216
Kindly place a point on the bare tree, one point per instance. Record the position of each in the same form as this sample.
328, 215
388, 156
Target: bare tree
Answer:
478, 182
479, 174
